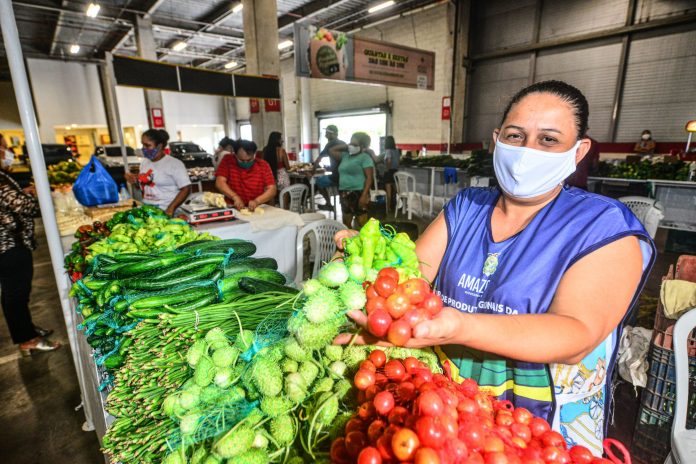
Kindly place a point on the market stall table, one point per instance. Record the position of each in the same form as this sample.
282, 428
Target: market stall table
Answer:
312, 178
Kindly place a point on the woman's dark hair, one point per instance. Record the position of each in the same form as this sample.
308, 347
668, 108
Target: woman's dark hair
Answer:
565, 92
389, 143
363, 139
159, 136
269, 152
228, 142
248, 146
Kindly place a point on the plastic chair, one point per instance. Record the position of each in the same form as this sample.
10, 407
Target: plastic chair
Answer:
683, 439
333, 194
298, 197
321, 242
648, 211
376, 192
405, 193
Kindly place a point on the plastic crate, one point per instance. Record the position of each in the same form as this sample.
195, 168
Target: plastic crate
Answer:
651, 444
657, 400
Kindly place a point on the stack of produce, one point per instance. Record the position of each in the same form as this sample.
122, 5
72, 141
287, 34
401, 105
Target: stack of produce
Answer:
436, 161
120, 290
648, 169
407, 413
86, 235
63, 173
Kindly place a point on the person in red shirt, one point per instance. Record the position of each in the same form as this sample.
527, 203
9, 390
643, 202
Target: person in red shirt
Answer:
247, 182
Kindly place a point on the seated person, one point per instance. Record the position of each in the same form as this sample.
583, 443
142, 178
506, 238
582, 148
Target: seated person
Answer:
646, 146
246, 181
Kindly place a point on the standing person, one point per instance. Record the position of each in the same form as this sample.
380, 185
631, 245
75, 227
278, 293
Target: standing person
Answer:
588, 164
392, 158
277, 158
646, 145
356, 170
163, 179
17, 210
529, 272
246, 181
326, 182
227, 146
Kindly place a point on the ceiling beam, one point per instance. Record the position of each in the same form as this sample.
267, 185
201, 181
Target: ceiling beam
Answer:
150, 8
57, 29
307, 11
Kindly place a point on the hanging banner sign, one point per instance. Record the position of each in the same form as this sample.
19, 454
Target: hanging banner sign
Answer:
446, 108
272, 106
324, 54
254, 106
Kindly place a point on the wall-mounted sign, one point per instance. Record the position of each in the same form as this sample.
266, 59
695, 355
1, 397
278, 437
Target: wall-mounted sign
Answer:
324, 54
446, 108
254, 105
272, 106
157, 117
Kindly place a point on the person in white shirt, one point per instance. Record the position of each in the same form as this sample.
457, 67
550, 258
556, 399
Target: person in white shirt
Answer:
163, 179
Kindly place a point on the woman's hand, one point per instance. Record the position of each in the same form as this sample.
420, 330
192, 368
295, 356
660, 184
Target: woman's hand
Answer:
253, 204
238, 203
364, 201
30, 190
341, 235
131, 178
443, 329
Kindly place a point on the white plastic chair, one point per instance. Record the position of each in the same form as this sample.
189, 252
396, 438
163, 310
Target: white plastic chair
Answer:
298, 197
648, 211
683, 439
376, 192
321, 242
405, 193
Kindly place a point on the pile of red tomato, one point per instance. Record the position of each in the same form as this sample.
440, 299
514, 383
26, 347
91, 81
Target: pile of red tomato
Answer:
393, 309
409, 414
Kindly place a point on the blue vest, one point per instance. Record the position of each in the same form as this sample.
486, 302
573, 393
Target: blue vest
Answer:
520, 276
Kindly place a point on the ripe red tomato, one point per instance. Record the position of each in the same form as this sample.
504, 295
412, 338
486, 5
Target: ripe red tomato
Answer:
550, 454
493, 444
385, 286
518, 442
497, 457
467, 406
367, 365
404, 444
521, 431
364, 379
355, 442
415, 316
389, 272
429, 404
538, 426
354, 424
378, 322
371, 292
370, 392
381, 379
339, 453
375, 303
410, 363
449, 399
581, 455
426, 455
366, 411
430, 432
417, 290
505, 419
375, 430
384, 448
469, 387
522, 416
398, 305
405, 392
399, 333
370, 455
456, 449
475, 458
398, 415
553, 438
378, 358
394, 370
384, 402
432, 304
450, 425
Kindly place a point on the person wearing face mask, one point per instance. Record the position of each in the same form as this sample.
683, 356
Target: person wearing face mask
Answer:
227, 146
277, 158
17, 210
163, 179
646, 146
246, 181
536, 276
356, 171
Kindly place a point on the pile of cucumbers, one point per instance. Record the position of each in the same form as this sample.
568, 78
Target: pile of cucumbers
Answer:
120, 290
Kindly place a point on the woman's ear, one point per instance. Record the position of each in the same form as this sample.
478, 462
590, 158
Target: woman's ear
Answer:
583, 149
494, 137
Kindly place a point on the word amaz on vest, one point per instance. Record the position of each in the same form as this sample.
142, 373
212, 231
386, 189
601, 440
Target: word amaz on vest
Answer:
474, 286
486, 307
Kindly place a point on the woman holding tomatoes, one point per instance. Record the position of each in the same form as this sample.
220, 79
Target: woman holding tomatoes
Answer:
536, 277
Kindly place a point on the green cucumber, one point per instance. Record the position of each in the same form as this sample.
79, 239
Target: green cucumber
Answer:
244, 264
182, 296
177, 269
231, 283
203, 272
141, 267
256, 286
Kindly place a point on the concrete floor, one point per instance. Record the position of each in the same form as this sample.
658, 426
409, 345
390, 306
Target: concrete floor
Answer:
38, 420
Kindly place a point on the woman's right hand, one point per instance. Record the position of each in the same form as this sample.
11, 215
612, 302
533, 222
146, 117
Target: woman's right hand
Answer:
131, 178
341, 235
238, 204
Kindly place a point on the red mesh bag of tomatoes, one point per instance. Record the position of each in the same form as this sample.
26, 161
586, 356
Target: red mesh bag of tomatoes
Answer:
409, 414
394, 308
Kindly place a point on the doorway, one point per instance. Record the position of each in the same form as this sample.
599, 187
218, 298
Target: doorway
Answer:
205, 136
374, 124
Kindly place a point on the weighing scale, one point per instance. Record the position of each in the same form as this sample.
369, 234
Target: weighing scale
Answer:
198, 212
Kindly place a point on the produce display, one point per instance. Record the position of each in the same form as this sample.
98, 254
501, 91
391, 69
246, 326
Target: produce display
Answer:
647, 169
480, 163
63, 173
212, 359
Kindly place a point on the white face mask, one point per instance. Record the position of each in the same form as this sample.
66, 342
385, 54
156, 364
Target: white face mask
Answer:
645, 136
526, 173
353, 149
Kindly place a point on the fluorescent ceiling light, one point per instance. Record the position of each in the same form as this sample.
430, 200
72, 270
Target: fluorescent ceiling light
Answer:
381, 6
285, 44
237, 8
231, 65
74, 49
180, 45
93, 10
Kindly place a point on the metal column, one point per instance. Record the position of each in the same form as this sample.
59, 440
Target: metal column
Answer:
27, 114
306, 113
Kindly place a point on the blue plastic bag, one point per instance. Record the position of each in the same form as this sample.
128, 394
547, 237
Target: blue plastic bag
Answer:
95, 186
